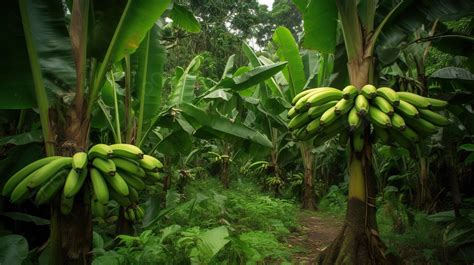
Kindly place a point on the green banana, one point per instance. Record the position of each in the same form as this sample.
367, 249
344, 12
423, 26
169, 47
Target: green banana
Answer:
433, 117
411, 135
150, 163
139, 213
25, 172
302, 94
353, 119
46, 172
79, 161
349, 92
100, 150
400, 140
437, 104
398, 122
362, 105
127, 151
407, 109
125, 214
118, 184
317, 111
422, 126
66, 204
291, 113
369, 91
98, 209
133, 181
158, 177
301, 104
379, 118
129, 166
21, 191
383, 105
51, 187
106, 166
133, 195
389, 94
313, 126
131, 214
298, 121
343, 106
74, 182
99, 186
322, 97
414, 99
328, 117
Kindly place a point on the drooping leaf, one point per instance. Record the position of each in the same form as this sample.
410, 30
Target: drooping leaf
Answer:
13, 249
224, 125
320, 26
35, 136
228, 66
252, 77
184, 19
454, 73
288, 50
17, 216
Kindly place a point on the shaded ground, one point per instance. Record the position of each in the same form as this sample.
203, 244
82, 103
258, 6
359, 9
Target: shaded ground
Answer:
314, 235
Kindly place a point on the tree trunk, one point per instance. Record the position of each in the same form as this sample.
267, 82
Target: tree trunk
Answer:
424, 198
225, 172
71, 235
309, 196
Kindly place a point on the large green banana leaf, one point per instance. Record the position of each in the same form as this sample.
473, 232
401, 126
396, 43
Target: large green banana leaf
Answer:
288, 51
222, 125
252, 77
53, 47
184, 83
184, 19
149, 62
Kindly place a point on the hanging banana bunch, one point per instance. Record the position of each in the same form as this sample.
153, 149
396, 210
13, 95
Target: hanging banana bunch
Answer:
116, 172
400, 118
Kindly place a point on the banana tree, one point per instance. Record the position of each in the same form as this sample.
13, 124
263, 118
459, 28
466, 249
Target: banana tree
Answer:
358, 241
62, 67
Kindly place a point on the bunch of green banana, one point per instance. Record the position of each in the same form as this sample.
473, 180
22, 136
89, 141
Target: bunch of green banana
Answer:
134, 213
115, 172
322, 113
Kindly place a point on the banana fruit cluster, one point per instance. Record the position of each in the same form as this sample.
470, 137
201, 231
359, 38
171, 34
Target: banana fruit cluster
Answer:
399, 118
115, 172
134, 213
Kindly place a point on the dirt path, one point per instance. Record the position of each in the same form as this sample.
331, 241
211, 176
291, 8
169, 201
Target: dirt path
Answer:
314, 235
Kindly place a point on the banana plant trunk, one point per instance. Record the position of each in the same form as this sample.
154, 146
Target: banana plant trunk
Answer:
71, 235
358, 242
309, 196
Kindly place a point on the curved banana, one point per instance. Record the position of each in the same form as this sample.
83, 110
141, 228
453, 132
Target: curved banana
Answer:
343, 106
25, 172
99, 186
74, 182
350, 92
106, 166
79, 161
411, 135
100, 150
383, 105
362, 105
51, 187
302, 103
433, 117
298, 121
121, 200
127, 151
150, 163
379, 118
325, 96
313, 126
389, 94
398, 122
291, 113
133, 181
437, 104
369, 91
302, 94
133, 195
414, 99
129, 166
118, 184
47, 171
422, 126
353, 119
317, 111
407, 109
328, 117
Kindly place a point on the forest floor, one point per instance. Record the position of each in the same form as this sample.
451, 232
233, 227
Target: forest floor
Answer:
315, 234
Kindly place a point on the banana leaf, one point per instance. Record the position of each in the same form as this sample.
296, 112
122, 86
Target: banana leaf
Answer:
184, 83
